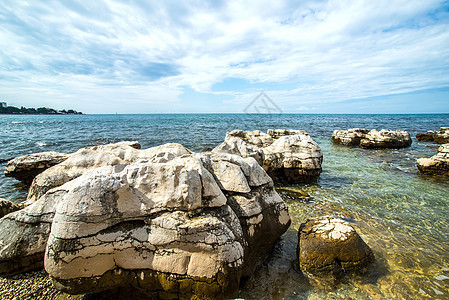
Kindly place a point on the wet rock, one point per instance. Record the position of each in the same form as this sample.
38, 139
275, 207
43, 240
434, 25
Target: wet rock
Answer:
328, 247
350, 137
7, 207
160, 226
287, 155
93, 157
437, 164
386, 139
26, 168
440, 137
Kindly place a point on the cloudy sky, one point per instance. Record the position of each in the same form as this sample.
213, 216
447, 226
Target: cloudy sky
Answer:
141, 56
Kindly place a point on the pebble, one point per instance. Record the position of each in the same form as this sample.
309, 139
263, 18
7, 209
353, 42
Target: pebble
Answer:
32, 285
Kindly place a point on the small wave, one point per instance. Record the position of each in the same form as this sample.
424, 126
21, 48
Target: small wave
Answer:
41, 122
41, 144
16, 122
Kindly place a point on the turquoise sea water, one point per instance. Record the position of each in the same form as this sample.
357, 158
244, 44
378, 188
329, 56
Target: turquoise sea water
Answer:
402, 215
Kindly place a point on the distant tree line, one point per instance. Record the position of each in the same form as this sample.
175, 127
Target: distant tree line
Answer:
9, 110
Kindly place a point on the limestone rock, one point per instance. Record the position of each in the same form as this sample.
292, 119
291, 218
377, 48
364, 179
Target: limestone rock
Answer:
25, 168
386, 139
181, 226
327, 245
440, 137
350, 137
7, 207
437, 164
93, 157
286, 155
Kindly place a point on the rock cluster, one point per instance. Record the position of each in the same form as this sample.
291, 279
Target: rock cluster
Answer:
162, 221
25, 168
437, 164
440, 137
287, 155
372, 139
331, 246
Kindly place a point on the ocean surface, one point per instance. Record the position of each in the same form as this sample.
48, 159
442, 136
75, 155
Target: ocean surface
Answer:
402, 215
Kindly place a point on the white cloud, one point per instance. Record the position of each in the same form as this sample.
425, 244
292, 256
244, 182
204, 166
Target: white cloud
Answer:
316, 51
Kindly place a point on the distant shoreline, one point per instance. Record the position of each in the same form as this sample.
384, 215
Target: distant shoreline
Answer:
12, 110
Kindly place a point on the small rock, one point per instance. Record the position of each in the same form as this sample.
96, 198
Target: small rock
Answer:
26, 168
440, 137
329, 246
7, 207
350, 137
437, 164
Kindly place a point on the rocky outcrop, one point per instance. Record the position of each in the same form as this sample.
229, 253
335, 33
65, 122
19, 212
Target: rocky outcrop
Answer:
440, 137
350, 137
330, 246
25, 168
7, 207
93, 157
286, 155
437, 164
372, 139
169, 226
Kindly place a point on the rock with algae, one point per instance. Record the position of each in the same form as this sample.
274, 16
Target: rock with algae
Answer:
183, 226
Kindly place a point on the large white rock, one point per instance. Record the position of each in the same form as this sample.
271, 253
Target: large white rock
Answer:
286, 155
178, 225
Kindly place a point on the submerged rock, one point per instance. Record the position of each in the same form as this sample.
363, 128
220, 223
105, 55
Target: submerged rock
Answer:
26, 168
7, 207
164, 225
437, 164
328, 247
287, 155
440, 137
372, 139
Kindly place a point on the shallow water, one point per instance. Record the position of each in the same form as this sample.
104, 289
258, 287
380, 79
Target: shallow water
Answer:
401, 215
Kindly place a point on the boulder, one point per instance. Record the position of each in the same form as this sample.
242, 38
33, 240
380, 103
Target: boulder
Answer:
93, 157
25, 168
440, 137
7, 207
287, 155
386, 139
167, 226
330, 246
350, 137
437, 164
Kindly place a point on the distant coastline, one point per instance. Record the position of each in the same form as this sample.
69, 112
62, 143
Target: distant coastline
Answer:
11, 110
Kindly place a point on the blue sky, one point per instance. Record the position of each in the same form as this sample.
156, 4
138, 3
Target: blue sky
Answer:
138, 56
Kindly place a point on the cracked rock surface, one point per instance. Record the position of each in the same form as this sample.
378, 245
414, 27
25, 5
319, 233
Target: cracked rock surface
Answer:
287, 155
441, 136
162, 222
437, 164
372, 139
328, 245
26, 168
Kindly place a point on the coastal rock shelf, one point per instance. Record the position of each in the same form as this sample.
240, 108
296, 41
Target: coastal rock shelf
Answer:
26, 168
288, 156
437, 164
372, 139
440, 137
328, 246
163, 222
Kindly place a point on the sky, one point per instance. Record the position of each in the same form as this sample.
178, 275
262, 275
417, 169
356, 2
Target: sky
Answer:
142, 56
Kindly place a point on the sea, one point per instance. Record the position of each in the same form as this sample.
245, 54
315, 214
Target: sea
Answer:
402, 215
